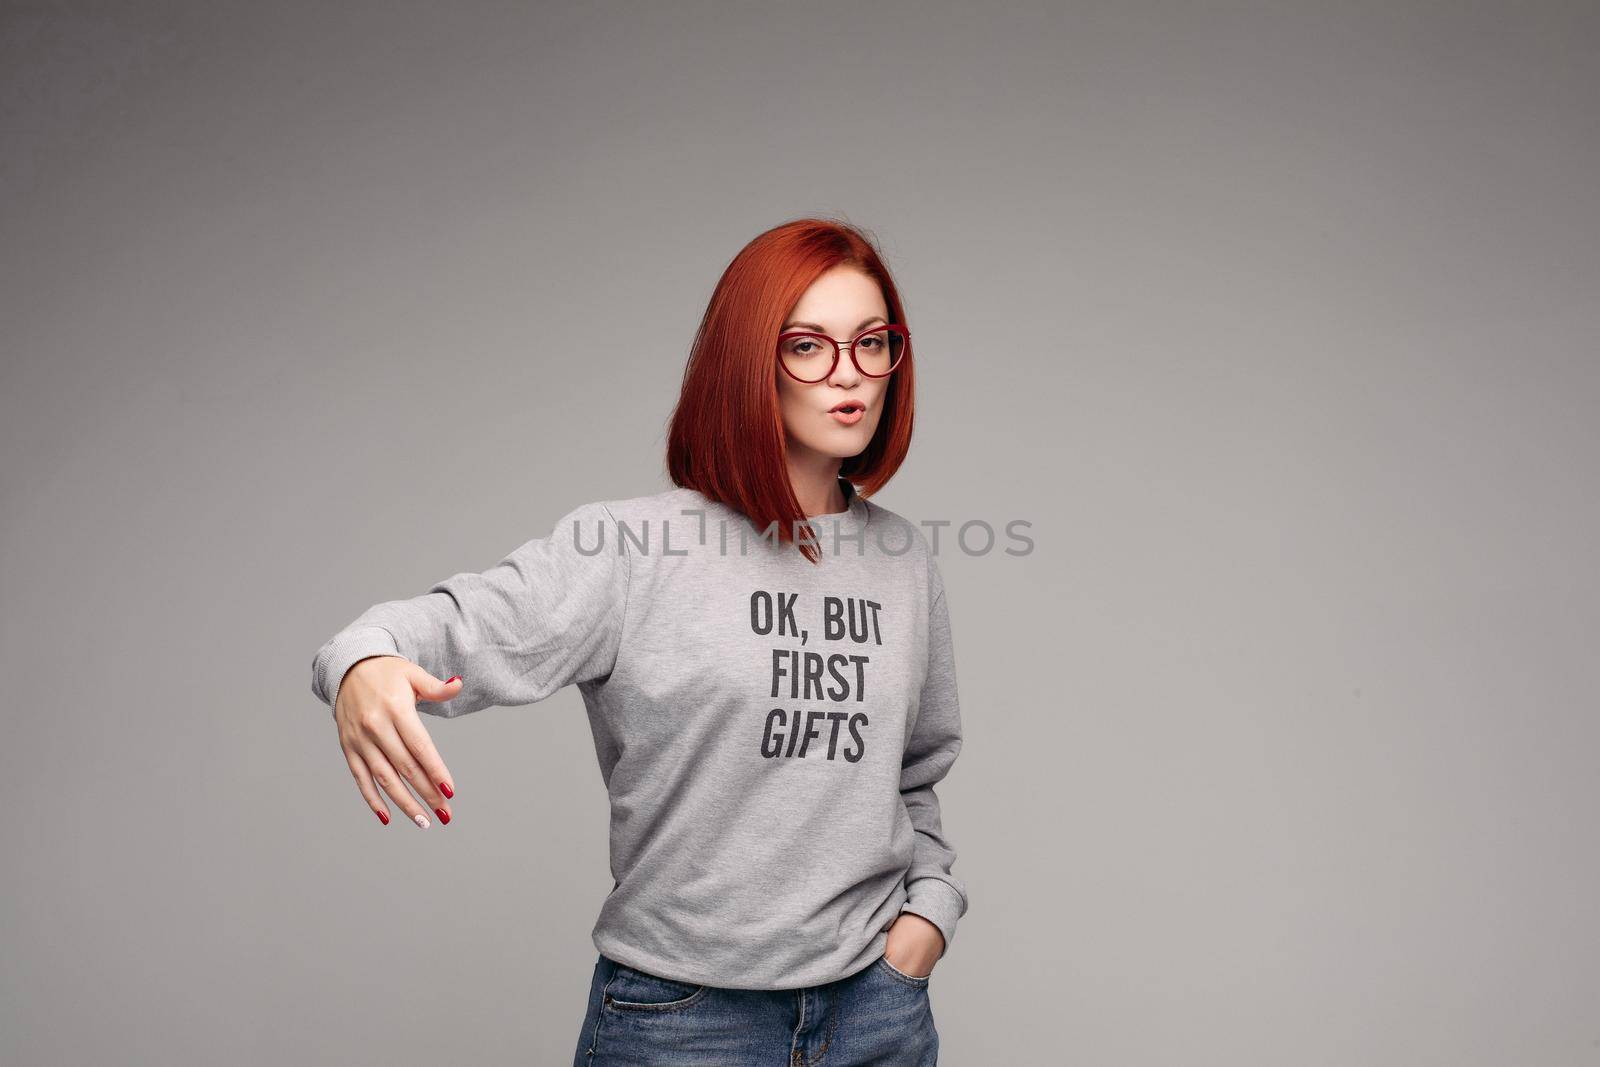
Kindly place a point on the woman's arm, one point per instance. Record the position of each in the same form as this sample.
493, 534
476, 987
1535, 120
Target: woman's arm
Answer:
548, 614
934, 892
544, 616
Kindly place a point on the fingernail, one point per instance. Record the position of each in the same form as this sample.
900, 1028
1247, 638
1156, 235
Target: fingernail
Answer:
384, 816
452, 678
421, 820
444, 816
444, 787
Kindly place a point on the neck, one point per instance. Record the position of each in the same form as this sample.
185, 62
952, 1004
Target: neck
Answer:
815, 480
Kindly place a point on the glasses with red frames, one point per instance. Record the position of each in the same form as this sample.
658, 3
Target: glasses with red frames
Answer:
811, 357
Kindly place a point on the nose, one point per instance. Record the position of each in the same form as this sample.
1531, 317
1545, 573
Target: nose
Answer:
844, 373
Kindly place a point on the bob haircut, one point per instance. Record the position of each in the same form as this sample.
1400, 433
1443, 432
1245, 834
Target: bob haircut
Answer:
726, 438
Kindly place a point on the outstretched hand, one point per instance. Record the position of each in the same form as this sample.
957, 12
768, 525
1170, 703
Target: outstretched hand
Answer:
383, 738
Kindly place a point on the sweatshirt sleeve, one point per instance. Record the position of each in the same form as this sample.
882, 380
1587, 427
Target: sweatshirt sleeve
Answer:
933, 891
548, 614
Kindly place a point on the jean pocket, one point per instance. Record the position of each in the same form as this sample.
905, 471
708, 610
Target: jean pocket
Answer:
631, 989
901, 976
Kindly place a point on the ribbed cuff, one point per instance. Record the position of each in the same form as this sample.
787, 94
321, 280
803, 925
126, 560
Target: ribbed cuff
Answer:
937, 901
344, 651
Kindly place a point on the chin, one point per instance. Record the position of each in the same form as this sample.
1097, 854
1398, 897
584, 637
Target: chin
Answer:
842, 445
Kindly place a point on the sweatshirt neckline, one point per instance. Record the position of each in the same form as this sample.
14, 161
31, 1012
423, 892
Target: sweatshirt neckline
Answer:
853, 517
849, 521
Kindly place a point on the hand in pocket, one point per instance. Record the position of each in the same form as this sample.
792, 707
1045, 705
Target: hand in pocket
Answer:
914, 945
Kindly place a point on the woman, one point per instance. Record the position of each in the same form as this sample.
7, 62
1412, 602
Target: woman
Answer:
765, 659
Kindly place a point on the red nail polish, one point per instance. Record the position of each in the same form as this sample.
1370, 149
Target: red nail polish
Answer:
452, 678
444, 787
384, 816
444, 816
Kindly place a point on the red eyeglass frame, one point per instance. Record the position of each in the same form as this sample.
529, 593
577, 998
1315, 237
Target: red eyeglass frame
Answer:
838, 348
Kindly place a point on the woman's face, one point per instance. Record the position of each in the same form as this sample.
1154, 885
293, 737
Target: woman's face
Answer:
841, 303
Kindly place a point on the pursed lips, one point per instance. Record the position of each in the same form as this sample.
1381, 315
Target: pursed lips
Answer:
847, 412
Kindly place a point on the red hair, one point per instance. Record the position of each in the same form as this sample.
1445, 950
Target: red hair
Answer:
727, 439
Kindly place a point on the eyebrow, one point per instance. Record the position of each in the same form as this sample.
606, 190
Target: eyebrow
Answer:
813, 326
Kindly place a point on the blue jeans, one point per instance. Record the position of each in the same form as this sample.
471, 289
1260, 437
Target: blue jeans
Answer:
875, 1016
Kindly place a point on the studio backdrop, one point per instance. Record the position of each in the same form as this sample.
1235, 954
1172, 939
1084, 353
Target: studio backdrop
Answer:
1273, 325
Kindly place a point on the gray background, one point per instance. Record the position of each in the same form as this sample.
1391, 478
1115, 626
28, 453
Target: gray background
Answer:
1277, 321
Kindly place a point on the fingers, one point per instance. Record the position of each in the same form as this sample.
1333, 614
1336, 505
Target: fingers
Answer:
369, 791
404, 765
430, 689
389, 780
420, 746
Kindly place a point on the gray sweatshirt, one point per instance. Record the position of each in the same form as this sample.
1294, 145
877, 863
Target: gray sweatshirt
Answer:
770, 731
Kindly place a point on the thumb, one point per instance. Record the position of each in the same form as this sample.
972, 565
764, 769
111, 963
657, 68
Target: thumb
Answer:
431, 689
